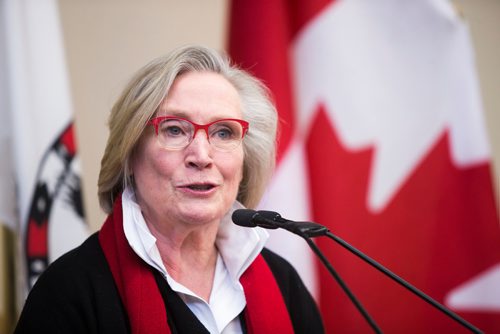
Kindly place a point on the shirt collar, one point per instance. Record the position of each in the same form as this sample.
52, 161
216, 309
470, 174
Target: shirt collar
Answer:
237, 245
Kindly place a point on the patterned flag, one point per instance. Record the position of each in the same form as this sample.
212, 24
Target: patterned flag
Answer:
383, 141
47, 189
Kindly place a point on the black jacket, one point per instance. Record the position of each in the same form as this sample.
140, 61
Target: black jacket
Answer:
77, 294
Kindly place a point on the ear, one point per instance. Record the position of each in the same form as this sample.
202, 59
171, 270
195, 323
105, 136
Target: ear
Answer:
131, 165
134, 155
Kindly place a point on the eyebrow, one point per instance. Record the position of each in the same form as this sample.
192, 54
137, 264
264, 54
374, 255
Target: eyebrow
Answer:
184, 114
172, 112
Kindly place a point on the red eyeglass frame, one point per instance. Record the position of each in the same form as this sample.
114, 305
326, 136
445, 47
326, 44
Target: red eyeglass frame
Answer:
157, 120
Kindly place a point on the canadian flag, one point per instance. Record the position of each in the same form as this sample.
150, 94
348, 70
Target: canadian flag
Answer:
383, 141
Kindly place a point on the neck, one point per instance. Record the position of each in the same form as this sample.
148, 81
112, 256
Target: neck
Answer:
189, 255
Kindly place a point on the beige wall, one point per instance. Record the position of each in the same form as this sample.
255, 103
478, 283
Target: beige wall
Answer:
107, 40
483, 17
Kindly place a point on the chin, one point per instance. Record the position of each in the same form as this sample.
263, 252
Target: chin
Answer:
201, 214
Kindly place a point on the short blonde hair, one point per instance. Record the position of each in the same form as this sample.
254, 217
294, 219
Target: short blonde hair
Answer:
143, 95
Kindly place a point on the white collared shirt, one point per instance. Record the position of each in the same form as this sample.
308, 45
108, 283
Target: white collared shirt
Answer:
238, 247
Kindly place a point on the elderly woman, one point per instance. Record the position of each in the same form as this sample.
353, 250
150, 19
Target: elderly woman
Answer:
192, 138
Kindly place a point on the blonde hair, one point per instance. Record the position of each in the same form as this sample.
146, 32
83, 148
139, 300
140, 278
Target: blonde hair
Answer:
144, 93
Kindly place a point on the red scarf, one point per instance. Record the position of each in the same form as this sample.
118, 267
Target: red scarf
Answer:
265, 312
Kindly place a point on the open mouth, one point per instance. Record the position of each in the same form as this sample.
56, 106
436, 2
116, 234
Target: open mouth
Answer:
200, 187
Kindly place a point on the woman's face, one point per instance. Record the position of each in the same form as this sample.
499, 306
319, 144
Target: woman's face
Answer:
197, 184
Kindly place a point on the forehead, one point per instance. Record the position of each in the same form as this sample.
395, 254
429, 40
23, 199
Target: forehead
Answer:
202, 96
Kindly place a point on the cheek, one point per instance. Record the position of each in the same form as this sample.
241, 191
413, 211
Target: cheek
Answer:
233, 170
155, 170
150, 166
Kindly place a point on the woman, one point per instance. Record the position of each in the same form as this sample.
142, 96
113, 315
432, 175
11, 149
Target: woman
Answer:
192, 138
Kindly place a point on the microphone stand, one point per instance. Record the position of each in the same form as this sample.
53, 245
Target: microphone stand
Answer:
308, 230
343, 285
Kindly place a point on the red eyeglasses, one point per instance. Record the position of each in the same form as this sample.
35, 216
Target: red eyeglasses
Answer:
176, 133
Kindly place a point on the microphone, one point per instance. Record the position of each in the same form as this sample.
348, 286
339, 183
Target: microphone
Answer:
273, 220
251, 218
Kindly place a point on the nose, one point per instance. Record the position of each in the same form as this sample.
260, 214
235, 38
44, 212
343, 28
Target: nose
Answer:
199, 151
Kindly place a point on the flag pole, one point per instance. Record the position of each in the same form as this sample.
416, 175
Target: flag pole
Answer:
7, 287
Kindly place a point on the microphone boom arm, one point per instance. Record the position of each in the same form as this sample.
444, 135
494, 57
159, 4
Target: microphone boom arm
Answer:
344, 286
308, 230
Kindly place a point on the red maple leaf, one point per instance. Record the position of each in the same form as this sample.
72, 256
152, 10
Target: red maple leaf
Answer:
439, 230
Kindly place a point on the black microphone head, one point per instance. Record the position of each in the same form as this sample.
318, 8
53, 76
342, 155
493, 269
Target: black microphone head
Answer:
244, 217
269, 215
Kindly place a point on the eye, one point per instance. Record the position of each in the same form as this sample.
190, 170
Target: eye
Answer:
224, 133
173, 128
